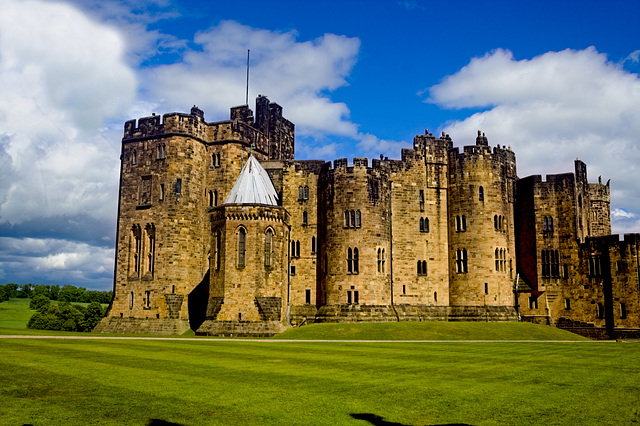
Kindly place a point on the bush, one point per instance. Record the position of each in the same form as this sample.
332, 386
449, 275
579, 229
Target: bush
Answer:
66, 317
40, 303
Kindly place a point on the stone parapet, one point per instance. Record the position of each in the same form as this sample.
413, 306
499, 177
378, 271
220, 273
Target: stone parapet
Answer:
241, 328
162, 326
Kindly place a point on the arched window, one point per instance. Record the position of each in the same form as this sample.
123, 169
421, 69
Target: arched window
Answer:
421, 225
304, 218
215, 198
495, 222
357, 218
134, 157
355, 261
300, 193
349, 261
298, 248
481, 194
268, 248
426, 224
545, 224
353, 219
435, 296
242, 247
306, 192
419, 268
210, 198
458, 224
464, 223
346, 218
217, 160
550, 224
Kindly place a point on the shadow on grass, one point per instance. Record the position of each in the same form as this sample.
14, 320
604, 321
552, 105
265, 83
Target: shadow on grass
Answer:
160, 422
379, 421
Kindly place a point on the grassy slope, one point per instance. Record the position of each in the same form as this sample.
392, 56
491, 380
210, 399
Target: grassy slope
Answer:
429, 331
15, 313
269, 382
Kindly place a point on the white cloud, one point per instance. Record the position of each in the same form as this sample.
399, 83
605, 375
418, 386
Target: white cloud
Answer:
61, 76
295, 74
372, 146
552, 109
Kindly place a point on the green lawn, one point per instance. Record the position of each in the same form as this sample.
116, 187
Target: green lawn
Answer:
52, 381
429, 330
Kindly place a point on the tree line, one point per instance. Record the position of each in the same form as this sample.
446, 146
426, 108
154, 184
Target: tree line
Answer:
64, 316
66, 293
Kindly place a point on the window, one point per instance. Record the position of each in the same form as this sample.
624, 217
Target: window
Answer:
134, 157
161, 191
623, 311
486, 288
533, 302
422, 267
307, 297
461, 223
300, 194
358, 218
500, 257
461, 261
210, 198
424, 224
298, 248
151, 234
353, 219
306, 192
594, 266
215, 198
565, 271
295, 248
381, 260
353, 299
242, 243
293, 269
304, 218
346, 218
131, 301
481, 194
268, 251
464, 223
147, 299
179, 186
435, 296
355, 262
600, 310
352, 261
161, 151
313, 244
136, 236
567, 304
421, 196
218, 249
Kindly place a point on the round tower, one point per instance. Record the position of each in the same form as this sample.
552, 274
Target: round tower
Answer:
481, 225
354, 241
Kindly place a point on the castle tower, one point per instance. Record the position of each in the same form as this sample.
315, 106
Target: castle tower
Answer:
354, 234
481, 225
248, 291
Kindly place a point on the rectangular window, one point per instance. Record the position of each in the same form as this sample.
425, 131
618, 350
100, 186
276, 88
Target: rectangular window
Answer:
348, 297
422, 196
567, 304
486, 288
355, 297
623, 311
161, 191
179, 186
307, 297
293, 270
147, 299
533, 302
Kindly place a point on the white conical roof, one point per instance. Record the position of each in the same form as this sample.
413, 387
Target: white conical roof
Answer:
253, 186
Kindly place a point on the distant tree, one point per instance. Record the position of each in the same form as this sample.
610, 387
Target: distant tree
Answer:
40, 303
26, 290
5, 292
92, 316
38, 321
54, 290
13, 289
40, 289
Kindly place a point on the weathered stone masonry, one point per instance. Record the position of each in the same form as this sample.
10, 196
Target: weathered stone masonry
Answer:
442, 234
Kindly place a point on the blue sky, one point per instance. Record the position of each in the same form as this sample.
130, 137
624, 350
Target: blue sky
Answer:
555, 80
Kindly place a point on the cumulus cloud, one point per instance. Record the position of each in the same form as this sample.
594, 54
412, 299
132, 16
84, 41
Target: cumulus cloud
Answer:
62, 77
552, 109
295, 74
56, 262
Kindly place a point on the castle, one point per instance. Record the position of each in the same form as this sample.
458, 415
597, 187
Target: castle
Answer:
222, 231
